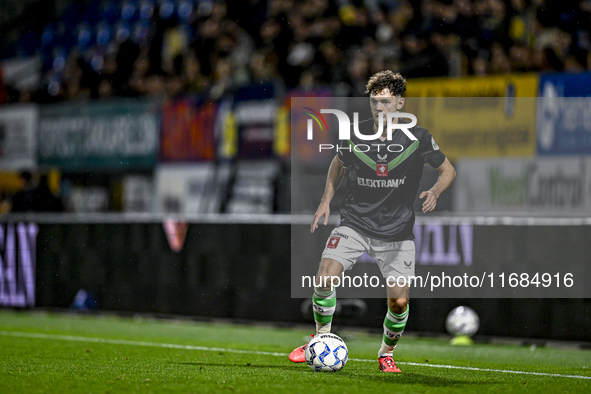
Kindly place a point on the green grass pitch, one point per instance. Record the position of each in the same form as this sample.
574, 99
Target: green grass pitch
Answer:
57, 353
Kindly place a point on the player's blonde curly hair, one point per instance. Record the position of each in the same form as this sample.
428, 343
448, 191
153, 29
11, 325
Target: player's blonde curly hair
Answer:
393, 82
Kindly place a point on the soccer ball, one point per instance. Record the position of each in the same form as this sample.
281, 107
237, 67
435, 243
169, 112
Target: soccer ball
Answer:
326, 353
462, 321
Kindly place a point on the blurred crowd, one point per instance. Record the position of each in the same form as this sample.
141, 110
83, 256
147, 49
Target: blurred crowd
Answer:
212, 47
33, 195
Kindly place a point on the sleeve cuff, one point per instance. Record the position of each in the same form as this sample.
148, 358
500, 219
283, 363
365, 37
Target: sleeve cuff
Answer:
436, 159
344, 166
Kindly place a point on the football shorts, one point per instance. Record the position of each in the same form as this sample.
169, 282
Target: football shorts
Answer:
395, 259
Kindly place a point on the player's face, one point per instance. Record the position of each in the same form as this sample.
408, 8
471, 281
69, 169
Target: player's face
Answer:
382, 103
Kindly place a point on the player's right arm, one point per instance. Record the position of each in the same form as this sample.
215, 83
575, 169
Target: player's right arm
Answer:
333, 180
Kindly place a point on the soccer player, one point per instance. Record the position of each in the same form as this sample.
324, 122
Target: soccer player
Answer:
377, 214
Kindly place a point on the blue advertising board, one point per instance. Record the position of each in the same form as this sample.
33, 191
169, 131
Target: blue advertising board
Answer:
563, 115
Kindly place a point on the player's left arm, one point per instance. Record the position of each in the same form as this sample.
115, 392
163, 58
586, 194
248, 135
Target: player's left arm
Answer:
447, 174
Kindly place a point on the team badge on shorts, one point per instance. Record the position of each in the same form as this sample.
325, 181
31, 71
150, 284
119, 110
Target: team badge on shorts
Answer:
382, 169
333, 242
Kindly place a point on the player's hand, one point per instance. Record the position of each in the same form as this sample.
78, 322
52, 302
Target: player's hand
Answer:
323, 210
430, 201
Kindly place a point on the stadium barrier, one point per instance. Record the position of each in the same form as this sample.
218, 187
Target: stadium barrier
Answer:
238, 267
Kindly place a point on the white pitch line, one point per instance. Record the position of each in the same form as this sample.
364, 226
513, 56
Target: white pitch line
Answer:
257, 352
555, 375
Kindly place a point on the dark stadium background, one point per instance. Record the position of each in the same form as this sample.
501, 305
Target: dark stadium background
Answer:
183, 112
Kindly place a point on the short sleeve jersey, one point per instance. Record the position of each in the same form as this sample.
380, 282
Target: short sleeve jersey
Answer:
383, 180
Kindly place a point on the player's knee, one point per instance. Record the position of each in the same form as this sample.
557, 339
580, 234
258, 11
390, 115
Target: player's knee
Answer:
328, 274
397, 305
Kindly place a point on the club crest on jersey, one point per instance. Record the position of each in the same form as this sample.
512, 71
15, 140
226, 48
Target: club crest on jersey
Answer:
382, 169
333, 242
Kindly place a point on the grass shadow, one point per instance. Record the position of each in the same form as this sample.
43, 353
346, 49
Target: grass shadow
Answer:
238, 365
408, 378
413, 378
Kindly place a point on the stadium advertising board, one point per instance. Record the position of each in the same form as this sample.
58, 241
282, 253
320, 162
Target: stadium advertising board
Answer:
190, 188
478, 116
17, 264
110, 135
255, 111
18, 139
563, 122
507, 85
137, 193
188, 128
479, 127
88, 198
523, 185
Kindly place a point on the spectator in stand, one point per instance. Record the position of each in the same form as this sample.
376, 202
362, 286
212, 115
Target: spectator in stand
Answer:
491, 17
194, 81
23, 200
520, 18
3, 92
500, 63
174, 81
35, 199
521, 58
253, 39
143, 82
222, 81
107, 85
421, 58
480, 63
357, 73
263, 67
174, 44
127, 53
573, 65
44, 199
